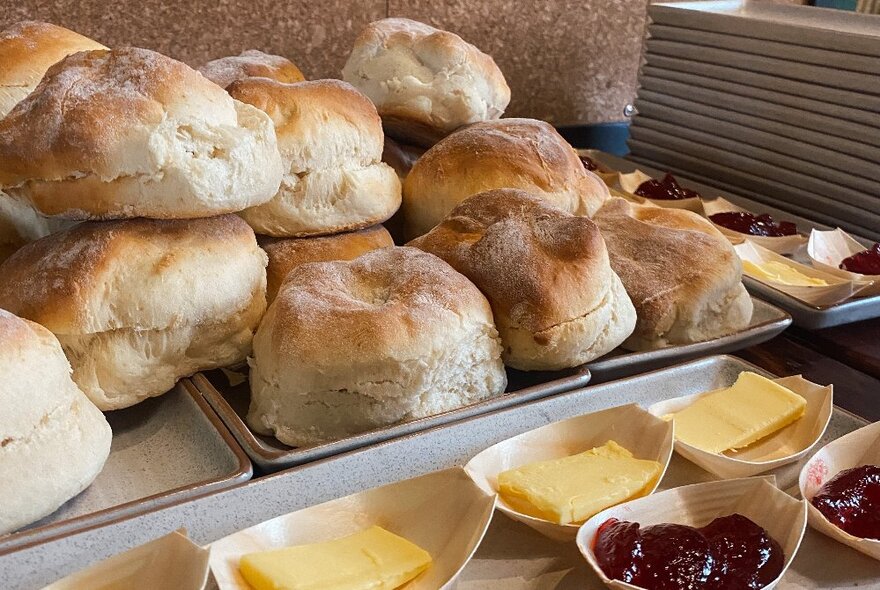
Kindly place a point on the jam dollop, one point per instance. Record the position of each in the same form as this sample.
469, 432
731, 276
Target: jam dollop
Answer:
589, 163
667, 189
866, 262
730, 553
851, 501
754, 225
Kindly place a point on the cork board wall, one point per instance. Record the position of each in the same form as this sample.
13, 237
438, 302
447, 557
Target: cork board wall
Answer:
568, 62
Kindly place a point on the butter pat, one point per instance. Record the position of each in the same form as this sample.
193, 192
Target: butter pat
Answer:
573, 489
735, 417
372, 559
779, 272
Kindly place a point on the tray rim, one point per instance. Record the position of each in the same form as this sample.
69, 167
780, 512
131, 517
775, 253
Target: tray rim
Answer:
241, 474
273, 460
157, 527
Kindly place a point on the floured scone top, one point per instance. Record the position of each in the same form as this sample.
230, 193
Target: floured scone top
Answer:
139, 303
251, 64
330, 139
682, 274
132, 133
425, 82
53, 440
555, 299
346, 347
509, 153
27, 50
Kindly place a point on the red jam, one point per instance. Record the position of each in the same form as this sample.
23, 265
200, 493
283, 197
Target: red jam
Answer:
667, 189
866, 262
589, 163
754, 225
851, 501
730, 553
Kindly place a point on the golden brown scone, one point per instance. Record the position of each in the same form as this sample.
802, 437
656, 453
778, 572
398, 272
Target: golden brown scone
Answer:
350, 346
682, 274
53, 440
287, 254
132, 133
27, 50
425, 82
251, 64
138, 304
330, 139
555, 299
509, 153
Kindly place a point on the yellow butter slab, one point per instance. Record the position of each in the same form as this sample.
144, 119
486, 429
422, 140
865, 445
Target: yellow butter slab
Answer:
373, 559
735, 417
779, 272
572, 489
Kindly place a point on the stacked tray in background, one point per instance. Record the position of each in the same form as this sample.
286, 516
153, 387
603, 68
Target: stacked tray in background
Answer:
778, 100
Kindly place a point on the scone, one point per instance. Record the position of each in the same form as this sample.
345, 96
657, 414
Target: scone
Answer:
287, 254
132, 133
555, 299
509, 153
330, 139
137, 304
425, 82
682, 274
251, 64
53, 440
27, 50
348, 347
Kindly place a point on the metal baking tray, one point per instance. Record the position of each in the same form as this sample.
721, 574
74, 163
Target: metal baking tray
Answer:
804, 315
813, 74
767, 92
783, 155
165, 450
231, 404
868, 104
769, 48
813, 27
819, 207
520, 563
668, 104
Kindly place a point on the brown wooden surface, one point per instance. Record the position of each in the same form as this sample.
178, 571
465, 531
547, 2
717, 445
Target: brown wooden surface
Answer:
854, 389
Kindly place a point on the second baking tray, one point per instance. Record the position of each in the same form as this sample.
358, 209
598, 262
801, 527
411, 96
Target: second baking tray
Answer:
231, 400
165, 449
516, 565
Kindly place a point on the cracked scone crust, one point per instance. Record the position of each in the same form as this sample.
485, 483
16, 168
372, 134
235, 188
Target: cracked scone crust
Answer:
330, 138
546, 273
682, 274
425, 82
347, 347
128, 133
251, 63
138, 304
53, 440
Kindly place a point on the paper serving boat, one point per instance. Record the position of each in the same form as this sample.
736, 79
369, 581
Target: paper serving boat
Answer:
172, 561
838, 289
827, 249
780, 245
644, 435
784, 446
443, 512
629, 182
861, 447
783, 517
608, 175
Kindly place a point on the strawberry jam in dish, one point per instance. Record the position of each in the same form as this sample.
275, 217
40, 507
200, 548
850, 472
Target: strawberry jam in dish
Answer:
589, 163
753, 225
851, 501
866, 262
730, 553
667, 189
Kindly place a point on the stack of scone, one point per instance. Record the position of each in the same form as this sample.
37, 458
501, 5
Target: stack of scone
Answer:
154, 197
